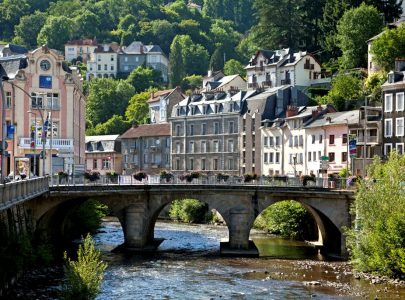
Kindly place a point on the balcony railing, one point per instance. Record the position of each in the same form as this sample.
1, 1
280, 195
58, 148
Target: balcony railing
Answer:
369, 139
25, 143
285, 81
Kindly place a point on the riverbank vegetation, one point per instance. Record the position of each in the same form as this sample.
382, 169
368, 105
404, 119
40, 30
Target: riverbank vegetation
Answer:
287, 219
83, 277
377, 241
190, 211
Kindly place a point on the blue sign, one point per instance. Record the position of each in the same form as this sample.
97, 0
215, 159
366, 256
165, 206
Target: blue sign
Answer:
352, 146
45, 82
10, 131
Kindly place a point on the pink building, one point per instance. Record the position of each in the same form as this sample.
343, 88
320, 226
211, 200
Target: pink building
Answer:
43, 85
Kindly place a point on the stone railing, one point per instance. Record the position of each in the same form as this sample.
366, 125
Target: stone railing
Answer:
18, 191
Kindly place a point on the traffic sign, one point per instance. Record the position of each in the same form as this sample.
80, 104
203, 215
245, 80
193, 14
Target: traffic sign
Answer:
324, 165
325, 158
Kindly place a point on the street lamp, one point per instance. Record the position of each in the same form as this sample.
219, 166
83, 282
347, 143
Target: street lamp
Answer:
43, 136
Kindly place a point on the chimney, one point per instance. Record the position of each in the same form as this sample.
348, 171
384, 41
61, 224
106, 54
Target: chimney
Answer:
315, 113
209, 73
319, 108
291, 111
328, 120
134, 125
399, 64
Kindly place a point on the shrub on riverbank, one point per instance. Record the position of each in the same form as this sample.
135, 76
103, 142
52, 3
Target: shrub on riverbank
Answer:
377, 242
190, 211
286, 218
83, 277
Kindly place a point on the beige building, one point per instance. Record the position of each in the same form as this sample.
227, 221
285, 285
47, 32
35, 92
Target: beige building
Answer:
103, 62
80, 49
103, 154
42, 84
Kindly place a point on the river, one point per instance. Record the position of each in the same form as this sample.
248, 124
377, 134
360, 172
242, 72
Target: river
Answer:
187, 265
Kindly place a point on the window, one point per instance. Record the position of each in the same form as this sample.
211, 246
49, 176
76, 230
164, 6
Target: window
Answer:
215, 163
98, 57
270, 140
191, 164
344, 157
231, 146
8, 99
52, 101
36, 100
126, 58
320, 138
145, 158
388, 127
400, 148
319, 155
271, 158
301, 156
112, 58
94, 163
203, 146
344, 138
277, 157
106, 163
399, 131
301, 140
231, 127
203, 164
313, 138
216, 146
331, 156
314, 155
331, 139
216, 128
177, 130
112, 68
266, 158
388, 103
191, 129
387, 149
99, 67
191, 147
290, 159
399, 102
178, 148
296, 141
278, 143
266, 141
105, 67
290, 141
309, 156
203, 129
230, 164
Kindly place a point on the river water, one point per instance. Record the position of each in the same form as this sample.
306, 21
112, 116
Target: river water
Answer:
187, 265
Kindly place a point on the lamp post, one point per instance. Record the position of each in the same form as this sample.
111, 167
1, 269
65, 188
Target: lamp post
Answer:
43, 136
35, 140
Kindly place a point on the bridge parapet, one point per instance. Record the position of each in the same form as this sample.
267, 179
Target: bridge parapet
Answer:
18, 191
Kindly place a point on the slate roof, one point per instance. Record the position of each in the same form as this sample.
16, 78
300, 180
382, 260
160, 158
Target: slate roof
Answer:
10, 65
83, 42
156, 95
153, 48
135, 47
102, 143
98, 138
14, 49
337, 118
147, 130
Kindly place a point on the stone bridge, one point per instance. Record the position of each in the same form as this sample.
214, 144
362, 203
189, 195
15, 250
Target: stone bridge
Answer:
138, 207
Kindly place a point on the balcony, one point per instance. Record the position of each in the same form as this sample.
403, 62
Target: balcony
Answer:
369, 139
66, 144
286, 81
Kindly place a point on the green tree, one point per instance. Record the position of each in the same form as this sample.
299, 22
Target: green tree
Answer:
193, 56
217, 60
388, 46
84, 276
354, 29
373, 85
377, 242
138, 109
10, 13
159, 32
107, 97
55, 32
189, 211
114, 125
177, 68
233, 66
346, 90
86, 25
191, 82
223, 36
143, 78
26, 32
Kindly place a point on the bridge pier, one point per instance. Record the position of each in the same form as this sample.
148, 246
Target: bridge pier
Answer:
137, 235
239, 229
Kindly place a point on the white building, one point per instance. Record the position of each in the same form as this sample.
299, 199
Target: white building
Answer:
272, 68
80, 49
103, 62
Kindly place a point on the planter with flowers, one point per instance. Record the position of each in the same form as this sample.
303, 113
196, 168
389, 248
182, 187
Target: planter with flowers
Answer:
140, 176
166, 176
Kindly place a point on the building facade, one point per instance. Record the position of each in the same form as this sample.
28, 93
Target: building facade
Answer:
45, 86
103, 62
393, 110
103, 154
80, 49
161, 104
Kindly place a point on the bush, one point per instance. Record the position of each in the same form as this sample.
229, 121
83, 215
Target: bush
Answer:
249, 177
377, 243
189, 211
306, 178
223, 177
84, 276
140, 176
165, 175
288, 219
92, 175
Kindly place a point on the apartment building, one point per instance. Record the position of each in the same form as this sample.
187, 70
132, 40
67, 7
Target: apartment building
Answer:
103, 62
393, 110
103, 154
274, 68
80, 49
205, 132
41, 84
